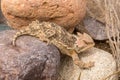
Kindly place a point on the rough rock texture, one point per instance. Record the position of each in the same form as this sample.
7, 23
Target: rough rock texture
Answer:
92, 27
30, 60
66, 13
104, 66
95, 28
96, 9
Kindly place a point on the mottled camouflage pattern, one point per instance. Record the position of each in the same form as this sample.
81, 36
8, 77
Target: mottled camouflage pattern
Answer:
67, 43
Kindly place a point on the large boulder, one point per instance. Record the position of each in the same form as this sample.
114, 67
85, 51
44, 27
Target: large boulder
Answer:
66, 13
31, 59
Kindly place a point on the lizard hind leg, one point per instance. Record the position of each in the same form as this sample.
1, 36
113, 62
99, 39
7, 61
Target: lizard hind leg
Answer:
80, 63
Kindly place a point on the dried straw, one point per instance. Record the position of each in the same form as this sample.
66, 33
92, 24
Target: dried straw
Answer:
113, 27
112, 17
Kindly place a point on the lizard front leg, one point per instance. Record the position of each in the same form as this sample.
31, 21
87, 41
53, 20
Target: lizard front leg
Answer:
80, 63
45, 40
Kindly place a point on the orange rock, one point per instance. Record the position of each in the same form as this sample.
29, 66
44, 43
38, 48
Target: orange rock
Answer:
66, 13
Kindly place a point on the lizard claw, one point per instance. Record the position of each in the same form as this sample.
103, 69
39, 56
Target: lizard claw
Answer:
88, 65
84, 65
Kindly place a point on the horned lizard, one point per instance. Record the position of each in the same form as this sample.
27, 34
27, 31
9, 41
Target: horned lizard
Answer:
69, 44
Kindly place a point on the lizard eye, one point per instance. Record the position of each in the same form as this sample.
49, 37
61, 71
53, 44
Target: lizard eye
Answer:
79, 48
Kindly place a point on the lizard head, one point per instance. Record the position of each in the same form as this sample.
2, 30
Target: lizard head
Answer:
83, 42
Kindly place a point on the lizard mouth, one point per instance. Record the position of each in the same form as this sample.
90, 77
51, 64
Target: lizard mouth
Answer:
83, 48
87, 47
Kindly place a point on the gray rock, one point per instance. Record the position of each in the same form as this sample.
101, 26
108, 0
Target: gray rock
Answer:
93, 27
31, 59
104, 66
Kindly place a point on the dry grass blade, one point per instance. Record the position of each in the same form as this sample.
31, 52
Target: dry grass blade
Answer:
111, 75
113, 27
113, 30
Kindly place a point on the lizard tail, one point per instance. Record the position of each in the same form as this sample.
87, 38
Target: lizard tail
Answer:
15, 38
18, 34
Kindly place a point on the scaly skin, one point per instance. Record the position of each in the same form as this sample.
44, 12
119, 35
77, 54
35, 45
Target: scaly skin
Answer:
67, 43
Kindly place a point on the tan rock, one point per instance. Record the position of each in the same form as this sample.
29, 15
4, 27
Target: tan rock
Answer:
66, 13
104, 66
